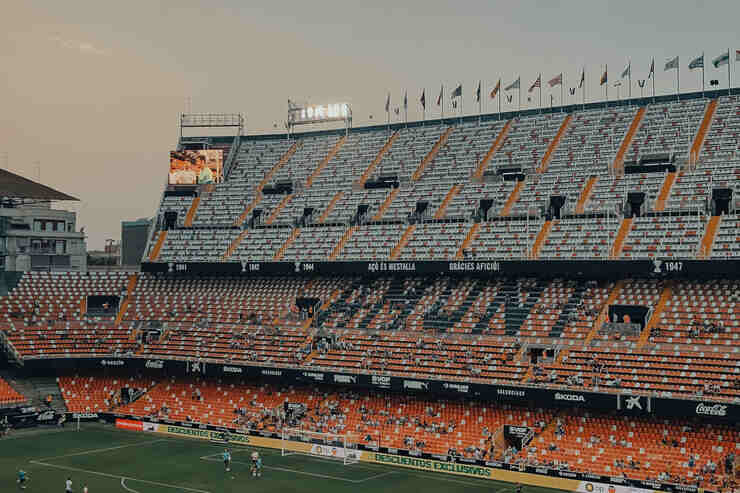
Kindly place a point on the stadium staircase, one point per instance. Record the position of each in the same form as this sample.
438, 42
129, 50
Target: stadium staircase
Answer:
571, 308
701, 134
618, 165
622, 233
276, 211
83, 306
281, 252
665, 296
333, 152
495, 146
541, 238
235, 244
132, 279
154, 254
588, 189
191, 212
35, 389
515, 315
379, 157
396, 252
268, 176
707, 241
416, 176
469, 237
337, 197
665, 191
513, 197
386, 204
603, 316
454, 190
554, 144
345, 237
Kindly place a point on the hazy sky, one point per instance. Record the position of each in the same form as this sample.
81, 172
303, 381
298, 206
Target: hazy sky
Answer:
91, 90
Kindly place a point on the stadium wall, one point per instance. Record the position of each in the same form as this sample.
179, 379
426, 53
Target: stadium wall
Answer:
622, 403
590, 269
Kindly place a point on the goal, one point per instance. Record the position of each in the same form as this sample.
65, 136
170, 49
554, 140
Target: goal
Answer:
322, 445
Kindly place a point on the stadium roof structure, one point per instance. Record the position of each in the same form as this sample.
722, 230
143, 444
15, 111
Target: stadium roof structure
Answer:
16, 187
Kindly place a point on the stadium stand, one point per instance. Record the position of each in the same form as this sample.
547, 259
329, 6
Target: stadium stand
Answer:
620, 182
8, 395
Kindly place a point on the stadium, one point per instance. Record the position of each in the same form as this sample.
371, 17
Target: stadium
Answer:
541, 299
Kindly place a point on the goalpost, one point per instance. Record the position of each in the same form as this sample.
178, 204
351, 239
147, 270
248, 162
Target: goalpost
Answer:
330, 446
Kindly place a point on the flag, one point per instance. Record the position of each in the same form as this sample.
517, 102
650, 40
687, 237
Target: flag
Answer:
536, 83
457, 92
556, 81
572, 90
737, 55
388, 103
641, 83
477, 93
405, 100
604, 77
723, 59
423, 99
627, 70
697, 62
671, 63
514, 85
441, 90
583, 78
652, 69
496, 89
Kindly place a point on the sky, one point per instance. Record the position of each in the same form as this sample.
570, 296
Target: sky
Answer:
90, 91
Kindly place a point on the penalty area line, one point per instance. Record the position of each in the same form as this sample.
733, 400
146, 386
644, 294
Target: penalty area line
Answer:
293, 471
117, 476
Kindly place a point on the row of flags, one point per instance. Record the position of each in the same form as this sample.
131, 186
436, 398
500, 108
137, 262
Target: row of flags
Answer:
670, 64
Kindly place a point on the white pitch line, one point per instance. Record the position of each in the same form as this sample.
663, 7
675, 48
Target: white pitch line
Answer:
294, 471
376, 476
116, 476
123, 483
95, 451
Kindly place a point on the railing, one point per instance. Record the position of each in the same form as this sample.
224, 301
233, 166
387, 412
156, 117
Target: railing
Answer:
10, 349
229, 163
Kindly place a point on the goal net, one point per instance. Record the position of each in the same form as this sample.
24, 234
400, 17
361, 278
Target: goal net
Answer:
323, 445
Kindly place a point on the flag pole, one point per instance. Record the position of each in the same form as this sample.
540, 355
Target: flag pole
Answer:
653, 66
519, 89
678, 82
540, 79
480, 100
562, 84
499, 101
729, 85
629, 79
442, 103
583, 91
702, 73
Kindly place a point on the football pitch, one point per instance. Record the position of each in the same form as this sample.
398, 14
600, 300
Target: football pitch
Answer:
108, 460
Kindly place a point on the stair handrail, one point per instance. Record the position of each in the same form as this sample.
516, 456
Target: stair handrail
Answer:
228, 164
9, 348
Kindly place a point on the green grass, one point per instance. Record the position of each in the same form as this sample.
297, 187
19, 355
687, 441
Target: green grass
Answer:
111, 460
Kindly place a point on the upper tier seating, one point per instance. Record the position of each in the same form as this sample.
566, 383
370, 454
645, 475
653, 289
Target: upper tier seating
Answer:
579, 168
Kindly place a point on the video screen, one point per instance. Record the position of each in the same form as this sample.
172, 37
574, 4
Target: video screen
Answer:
196, 167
